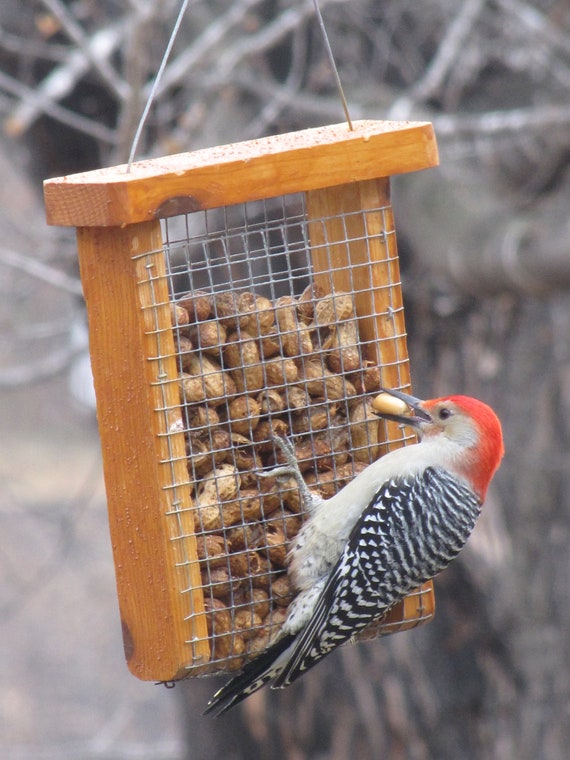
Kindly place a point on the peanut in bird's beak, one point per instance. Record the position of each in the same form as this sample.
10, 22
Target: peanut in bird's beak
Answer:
396, 405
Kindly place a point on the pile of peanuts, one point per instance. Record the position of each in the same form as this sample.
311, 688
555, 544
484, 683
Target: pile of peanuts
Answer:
252, 369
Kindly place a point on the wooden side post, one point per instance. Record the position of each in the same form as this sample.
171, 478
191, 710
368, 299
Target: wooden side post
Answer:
354, 249
155, 556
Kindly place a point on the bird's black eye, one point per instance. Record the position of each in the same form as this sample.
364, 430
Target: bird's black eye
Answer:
445, 413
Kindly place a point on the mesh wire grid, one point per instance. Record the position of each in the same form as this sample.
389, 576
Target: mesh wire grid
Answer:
267, 345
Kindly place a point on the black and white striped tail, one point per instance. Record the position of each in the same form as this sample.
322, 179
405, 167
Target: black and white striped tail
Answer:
253, 676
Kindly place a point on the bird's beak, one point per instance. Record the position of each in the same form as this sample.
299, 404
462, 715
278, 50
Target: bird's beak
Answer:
385, 408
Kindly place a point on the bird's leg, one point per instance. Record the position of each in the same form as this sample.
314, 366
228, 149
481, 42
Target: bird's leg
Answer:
291, 468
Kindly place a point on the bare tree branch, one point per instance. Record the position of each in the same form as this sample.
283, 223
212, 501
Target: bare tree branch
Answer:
496, 122
94, 52
203, 45
49, 365
536, 23
448, 52
41, 271
58, 84
281, 97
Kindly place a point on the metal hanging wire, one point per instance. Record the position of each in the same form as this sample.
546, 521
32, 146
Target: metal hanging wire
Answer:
165, 57
156, 82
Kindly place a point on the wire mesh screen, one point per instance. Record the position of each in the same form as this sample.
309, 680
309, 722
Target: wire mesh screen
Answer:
276, 330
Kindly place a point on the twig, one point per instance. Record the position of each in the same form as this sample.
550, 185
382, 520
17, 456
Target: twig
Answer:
41, 271
38, 369
268, 35
536, 22
276, 97
449, 50
100, 63
14, 43
286, 97
495, 122
180, 67
228, 62
59, 83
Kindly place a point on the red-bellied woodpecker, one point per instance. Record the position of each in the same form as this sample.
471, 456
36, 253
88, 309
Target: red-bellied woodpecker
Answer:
396, 525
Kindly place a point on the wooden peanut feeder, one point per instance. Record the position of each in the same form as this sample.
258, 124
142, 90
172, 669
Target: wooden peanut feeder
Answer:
236, 294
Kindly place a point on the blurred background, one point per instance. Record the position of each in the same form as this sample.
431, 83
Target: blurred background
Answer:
485, 249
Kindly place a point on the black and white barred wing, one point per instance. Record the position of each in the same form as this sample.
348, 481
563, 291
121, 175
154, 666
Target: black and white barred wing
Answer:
409, 532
